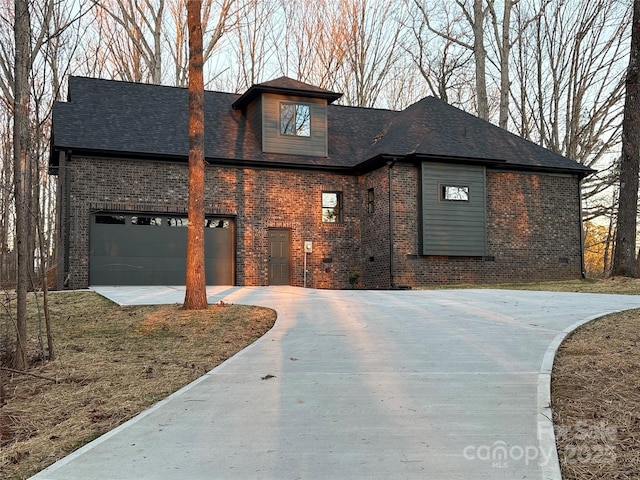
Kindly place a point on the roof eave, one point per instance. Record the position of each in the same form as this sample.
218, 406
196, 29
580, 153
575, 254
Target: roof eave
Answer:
379, 160
256, 90
270, 164
581, 171
99, 153
460, 160
210, 160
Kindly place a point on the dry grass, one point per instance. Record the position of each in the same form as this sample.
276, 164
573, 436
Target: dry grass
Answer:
617, 285
114, 362
111, 364
596, 399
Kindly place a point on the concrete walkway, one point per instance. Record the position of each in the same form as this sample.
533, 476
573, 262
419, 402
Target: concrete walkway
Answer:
447, 384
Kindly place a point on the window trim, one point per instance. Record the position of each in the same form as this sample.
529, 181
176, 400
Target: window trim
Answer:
445, 186
295, 133
339, 207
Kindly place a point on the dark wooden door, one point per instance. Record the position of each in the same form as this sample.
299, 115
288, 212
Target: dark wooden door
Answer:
279, 256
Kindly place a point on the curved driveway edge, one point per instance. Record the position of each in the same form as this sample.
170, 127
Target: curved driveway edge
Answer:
444, 384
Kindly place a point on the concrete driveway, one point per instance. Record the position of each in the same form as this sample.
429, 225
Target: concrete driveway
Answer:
447, 384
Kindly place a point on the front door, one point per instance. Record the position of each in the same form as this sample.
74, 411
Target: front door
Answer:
279, 250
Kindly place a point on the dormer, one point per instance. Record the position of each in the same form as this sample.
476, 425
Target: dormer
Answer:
289, 117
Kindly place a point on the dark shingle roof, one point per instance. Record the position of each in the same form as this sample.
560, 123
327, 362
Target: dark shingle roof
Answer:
120, 118
431, 128
285, 86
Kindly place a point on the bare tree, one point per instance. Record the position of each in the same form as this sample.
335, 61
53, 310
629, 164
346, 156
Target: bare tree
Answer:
22, 36
218, 18
312, 48
253, 46
405, 86
569, 83
482, 31
196, 290
467, 30
178, 42
7, 272
371, 34
506, 33
30, 77
624, 253
476, 21
134, 37
441, 61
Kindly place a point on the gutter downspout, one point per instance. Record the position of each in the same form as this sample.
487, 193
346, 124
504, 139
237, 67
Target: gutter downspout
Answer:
63, 198
391, 163
583, 269
68, 178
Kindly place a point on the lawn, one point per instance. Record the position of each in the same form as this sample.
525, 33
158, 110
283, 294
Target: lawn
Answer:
113, 362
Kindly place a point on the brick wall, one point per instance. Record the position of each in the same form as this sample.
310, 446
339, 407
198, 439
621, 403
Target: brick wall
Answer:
259, 199
374, 260
533, 230
293, 200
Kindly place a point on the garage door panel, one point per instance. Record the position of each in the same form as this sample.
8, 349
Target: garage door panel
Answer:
133, 254
137, 277
139, 250
133, 264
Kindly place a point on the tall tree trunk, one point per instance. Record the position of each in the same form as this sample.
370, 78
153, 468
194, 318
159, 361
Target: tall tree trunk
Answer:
6, 181
480, 56
502, 36
22, 35
624, 254
606, 270
196, 290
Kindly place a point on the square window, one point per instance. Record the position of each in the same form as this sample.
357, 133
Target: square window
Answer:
455, 193
332, 207
295, 119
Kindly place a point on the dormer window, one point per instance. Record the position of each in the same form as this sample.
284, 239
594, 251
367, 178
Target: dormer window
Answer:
288, 117
295, 119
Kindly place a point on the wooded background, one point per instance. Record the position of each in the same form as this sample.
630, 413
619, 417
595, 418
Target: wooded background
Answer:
552, 71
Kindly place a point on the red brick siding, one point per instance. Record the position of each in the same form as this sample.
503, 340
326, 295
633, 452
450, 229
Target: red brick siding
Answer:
532, 221
533, 227
259, 199
282, 199
375, 230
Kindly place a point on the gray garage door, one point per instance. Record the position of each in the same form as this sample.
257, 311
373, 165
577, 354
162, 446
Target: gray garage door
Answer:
143, 249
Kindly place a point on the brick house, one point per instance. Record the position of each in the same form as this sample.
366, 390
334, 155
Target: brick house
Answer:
426, 195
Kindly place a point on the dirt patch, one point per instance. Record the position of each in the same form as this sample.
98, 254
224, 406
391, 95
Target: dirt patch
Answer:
113, 362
